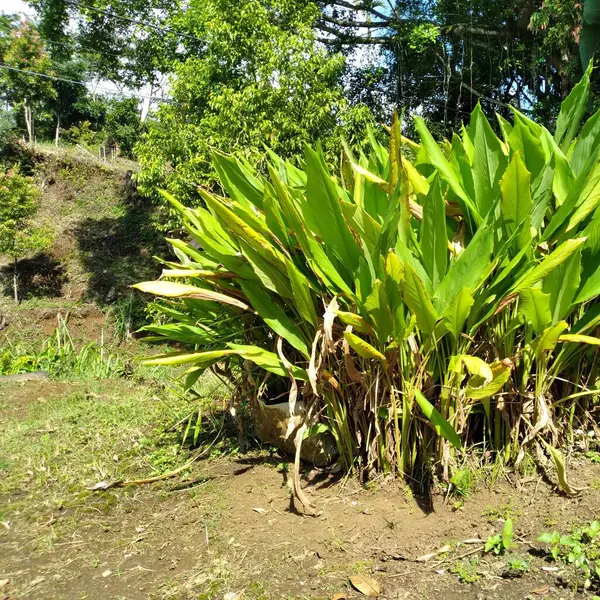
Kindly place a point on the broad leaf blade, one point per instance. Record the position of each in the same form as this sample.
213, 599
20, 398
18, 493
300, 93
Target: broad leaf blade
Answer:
441, 426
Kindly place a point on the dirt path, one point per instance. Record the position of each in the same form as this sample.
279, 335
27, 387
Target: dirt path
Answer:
228, 529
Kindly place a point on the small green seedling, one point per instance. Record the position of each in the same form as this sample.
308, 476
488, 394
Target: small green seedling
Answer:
500, 543
581, 550
517, 566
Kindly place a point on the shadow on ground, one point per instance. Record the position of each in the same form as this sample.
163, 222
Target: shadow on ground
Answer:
118, 251
41, 276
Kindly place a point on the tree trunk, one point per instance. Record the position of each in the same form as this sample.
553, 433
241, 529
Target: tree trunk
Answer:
57, 130
15, 282
28, 120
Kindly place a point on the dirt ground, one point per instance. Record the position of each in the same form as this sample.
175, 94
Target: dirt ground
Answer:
227, 529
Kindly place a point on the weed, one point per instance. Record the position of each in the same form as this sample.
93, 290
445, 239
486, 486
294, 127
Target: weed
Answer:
502, 512
257, 590
593, 456
60, 357
516, 565
500, 542
466, 570
462, 482
63, 442
580, 550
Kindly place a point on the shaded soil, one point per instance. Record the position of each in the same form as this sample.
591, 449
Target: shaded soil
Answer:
85, 322
104, 236
229, 527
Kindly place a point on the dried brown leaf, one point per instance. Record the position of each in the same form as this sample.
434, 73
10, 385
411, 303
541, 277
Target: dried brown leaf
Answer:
541, 591
431, 555
366, 585
104, 485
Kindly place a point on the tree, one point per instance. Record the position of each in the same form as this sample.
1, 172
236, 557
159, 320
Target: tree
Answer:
18, 234
132, 43
444, 56
261, 79
122, 126
71, 96
25, 53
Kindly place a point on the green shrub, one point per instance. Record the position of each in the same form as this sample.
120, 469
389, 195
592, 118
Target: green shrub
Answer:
418, 306
60, 357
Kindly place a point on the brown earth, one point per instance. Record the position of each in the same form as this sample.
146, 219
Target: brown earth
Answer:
230, 528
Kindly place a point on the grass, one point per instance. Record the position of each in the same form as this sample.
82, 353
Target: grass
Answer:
61, 442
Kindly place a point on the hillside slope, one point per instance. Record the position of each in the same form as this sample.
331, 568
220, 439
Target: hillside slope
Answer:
104, 241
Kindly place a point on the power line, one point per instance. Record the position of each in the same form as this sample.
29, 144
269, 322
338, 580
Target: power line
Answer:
134, 21
73, 81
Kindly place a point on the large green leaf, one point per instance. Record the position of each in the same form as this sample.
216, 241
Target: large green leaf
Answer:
478, 388
302, 295
468, 270
275, 317
572, 110
434, 239
269, 276
268, 361
589, 204
200, 359
547, 340
562, 285
180, 332
589, 40
530, 147
360, 220
582, 199
441, 426
239, 182
418, 301
436, 157
548, 264
586, 148
535, 306
170, 289
326, 213
489, 162
377, 306
456, 314
245, 231
363, 348
516, 201
589, 37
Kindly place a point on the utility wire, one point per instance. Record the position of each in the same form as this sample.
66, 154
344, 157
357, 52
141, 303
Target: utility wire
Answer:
73, 81
72, 3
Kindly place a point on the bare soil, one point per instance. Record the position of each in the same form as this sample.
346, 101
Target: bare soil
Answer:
230, 527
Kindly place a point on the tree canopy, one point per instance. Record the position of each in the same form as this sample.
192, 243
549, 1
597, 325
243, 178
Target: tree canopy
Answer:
281, 73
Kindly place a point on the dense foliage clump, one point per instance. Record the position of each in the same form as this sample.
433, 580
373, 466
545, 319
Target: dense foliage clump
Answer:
429, 297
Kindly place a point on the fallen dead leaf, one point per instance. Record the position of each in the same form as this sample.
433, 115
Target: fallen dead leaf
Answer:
431, 555
4, 582
107, 573
340, 596
541, 590
231, 596
260, 511
103, 485
365, 585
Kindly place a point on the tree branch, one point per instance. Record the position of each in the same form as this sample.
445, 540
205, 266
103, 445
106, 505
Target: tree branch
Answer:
350, 23
351, 39
361, 6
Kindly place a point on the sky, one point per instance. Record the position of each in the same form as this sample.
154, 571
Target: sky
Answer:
15, 6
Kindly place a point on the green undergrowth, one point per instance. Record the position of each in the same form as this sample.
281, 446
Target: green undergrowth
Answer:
65, 358
65, 437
